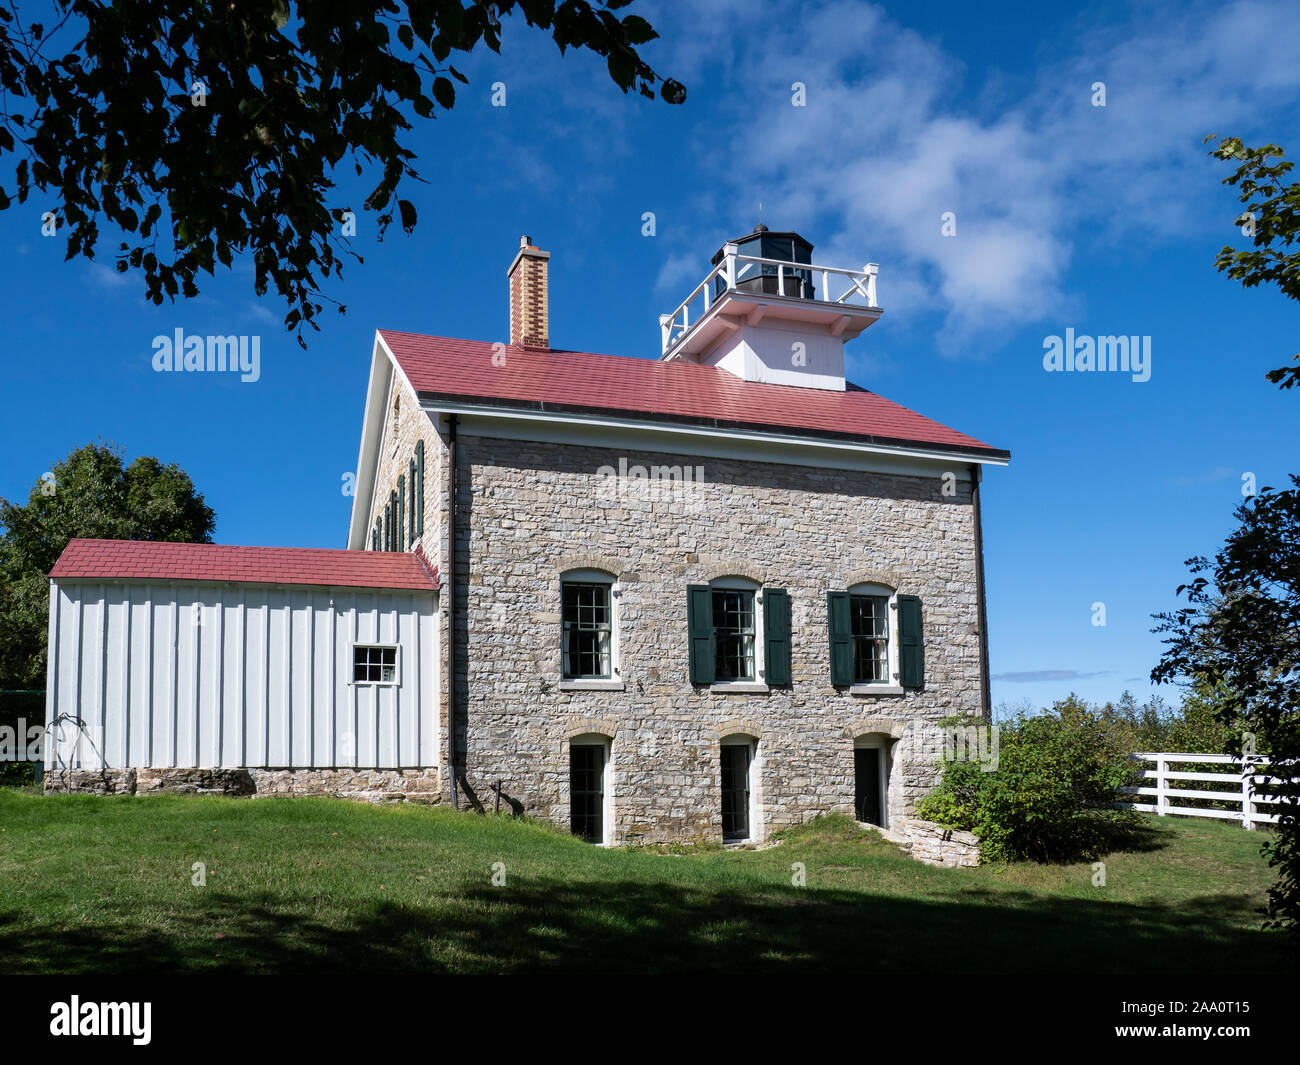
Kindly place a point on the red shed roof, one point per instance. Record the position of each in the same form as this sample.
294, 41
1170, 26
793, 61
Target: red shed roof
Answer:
582, 382
160, 561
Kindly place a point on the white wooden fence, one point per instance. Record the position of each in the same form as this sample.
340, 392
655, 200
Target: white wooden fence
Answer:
1250, 788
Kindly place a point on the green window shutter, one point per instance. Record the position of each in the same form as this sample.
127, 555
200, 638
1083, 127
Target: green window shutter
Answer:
841, 633
911, 669
394, 521
699, 624
401, 512
776, 634
419, 491
410, 516
388, 527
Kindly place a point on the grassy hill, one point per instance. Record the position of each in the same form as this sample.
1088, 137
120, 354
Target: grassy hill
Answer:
93, 885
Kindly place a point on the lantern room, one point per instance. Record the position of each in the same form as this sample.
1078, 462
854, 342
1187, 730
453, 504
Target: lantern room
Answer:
767, 312
763, 250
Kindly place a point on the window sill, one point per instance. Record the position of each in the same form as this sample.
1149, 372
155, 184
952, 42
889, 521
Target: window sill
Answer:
592, 686
740, 687
876, 689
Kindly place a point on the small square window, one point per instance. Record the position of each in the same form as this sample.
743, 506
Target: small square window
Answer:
374, 664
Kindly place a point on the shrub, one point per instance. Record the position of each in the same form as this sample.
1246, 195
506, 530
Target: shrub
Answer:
1052, 795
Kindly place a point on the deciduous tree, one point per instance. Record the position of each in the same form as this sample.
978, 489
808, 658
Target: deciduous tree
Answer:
204, 131
91, 493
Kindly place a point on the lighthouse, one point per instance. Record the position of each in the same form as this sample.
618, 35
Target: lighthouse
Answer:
767, 312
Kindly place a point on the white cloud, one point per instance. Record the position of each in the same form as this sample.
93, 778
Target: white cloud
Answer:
891, 138
106, 277
259, 313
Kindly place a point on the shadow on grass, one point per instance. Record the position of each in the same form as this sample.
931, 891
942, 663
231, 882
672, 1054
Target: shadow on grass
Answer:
541, 925
1140, 838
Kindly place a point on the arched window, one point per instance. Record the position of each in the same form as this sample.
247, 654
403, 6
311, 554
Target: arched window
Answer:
739, 634
872, 611
877, 642
737, 629
589, 618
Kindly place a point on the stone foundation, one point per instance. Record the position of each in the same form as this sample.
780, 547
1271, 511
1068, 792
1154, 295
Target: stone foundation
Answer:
90, 781
367, 785
935, 845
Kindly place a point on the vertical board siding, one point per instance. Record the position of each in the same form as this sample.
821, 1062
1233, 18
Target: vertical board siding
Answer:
173, 683
237, 676
101, 674
52, 685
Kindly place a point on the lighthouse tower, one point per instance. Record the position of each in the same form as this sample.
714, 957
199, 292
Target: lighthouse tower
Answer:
765, 312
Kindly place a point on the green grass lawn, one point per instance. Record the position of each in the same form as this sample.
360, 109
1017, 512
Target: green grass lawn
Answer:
104, 885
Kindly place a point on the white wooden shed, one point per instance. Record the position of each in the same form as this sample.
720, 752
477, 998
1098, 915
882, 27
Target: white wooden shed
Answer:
210, 656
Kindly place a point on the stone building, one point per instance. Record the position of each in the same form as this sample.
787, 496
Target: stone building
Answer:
701, 596
707, 595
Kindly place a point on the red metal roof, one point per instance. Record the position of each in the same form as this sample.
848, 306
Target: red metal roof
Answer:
576, 381
160, 561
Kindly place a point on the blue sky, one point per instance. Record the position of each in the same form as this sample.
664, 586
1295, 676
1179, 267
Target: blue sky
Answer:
1105, 220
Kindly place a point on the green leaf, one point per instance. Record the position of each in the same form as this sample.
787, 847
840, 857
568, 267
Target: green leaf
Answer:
622, 68
444, 92
638, 30
407, 210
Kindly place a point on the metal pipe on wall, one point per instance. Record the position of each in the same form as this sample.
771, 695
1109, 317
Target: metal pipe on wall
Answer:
986, 696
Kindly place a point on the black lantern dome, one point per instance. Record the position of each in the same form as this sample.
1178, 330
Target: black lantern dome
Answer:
763, 277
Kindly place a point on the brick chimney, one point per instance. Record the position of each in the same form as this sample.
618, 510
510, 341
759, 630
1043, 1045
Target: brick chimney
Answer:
529, 302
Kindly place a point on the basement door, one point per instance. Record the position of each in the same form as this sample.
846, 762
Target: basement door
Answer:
587, 791
869, 785
736, 759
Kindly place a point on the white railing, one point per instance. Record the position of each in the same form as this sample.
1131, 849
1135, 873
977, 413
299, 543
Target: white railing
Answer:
1249, 788
734, 268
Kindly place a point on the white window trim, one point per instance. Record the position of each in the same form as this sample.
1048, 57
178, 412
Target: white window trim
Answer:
893, 685
614, 682
759, 684
396, 682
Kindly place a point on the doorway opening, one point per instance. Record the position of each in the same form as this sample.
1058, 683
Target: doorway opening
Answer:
737, 790
871, 781
588, 805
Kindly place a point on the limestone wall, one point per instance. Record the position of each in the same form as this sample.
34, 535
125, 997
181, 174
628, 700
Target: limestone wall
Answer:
535, 509
936, 845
